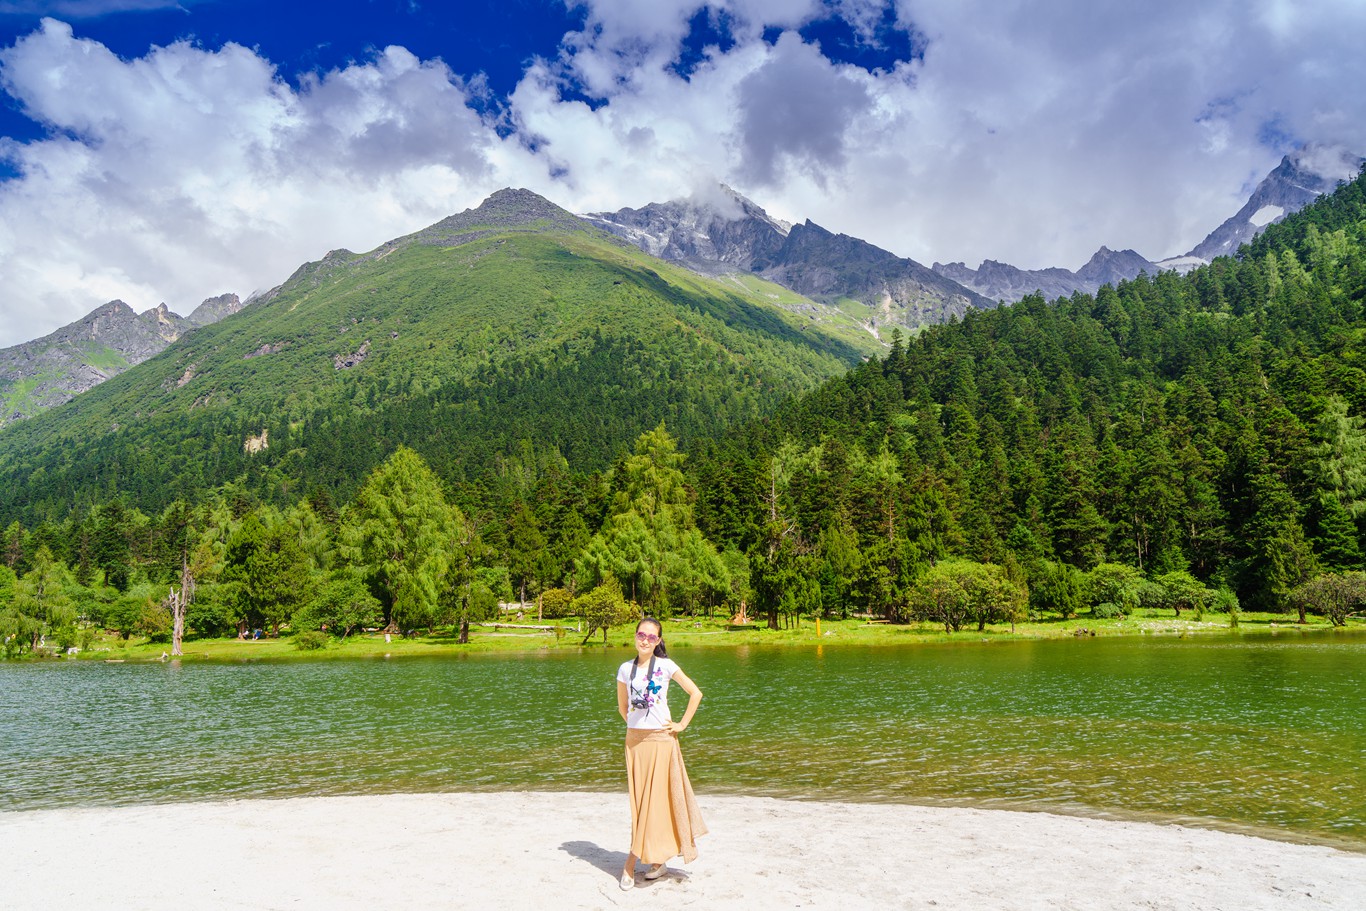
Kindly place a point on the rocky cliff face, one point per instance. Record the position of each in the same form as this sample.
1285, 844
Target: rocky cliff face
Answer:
1110, 267
728, 233
827, 267
1298, 180
215, 309
52, 370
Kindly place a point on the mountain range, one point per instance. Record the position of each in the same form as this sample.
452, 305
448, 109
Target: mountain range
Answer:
1189, 427
1298, 180
513, 324
727, 233
37, 375
842, 283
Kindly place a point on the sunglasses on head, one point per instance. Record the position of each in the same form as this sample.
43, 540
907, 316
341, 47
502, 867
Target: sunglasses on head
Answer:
650, 638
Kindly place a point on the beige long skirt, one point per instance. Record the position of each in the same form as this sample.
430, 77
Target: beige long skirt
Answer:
665, 821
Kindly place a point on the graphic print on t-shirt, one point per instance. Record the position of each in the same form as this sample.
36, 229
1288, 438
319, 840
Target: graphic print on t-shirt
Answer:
649, 690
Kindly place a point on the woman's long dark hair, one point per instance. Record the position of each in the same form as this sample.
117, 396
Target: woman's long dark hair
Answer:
660, 650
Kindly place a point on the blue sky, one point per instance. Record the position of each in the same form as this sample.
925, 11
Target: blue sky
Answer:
155, 151
493, 38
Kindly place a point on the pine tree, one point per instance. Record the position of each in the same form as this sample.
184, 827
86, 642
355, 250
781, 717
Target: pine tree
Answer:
1280, 557
529, 559
12, 545
402, 529
1078, 529
1335, 540
1339, 466
649, 541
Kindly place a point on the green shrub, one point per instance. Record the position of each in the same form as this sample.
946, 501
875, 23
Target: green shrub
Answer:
155, 622
1106, 610
1223, 601
1057, 586
125, 613
1120, 585
483, 602
955, 592
555, 603
310, 640
340, 607
605, 607
1334, 595
1182, 591
213, 612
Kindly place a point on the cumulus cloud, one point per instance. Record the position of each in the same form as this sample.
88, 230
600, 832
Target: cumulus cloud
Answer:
796, 109
1136, 125
1029, 132
188, 172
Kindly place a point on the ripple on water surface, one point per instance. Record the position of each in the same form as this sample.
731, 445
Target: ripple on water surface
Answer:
1243, 731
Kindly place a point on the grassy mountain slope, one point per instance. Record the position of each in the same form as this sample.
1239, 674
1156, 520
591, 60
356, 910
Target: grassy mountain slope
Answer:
512, 321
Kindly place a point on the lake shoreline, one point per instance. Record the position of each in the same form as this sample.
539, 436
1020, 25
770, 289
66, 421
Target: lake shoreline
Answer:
532, 849
694, 633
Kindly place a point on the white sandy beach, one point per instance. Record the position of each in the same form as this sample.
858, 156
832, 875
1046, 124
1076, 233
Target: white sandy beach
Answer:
562, 851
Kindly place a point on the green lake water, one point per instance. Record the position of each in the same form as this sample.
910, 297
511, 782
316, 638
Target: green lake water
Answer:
1255, 733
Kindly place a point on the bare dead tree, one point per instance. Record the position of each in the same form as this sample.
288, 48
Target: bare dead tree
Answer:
179, 601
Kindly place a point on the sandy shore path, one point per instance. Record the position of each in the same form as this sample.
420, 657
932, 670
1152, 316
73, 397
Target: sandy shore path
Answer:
563, 851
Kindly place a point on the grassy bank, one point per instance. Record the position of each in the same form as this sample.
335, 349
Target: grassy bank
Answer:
691, 633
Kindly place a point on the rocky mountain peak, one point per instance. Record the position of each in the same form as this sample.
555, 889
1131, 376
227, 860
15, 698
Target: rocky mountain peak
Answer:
112, 309
729, 204
713, 231
163, 322
51, 370
507, 209
1002, 281
718, 231
1298, 180
1110, 267
214, 309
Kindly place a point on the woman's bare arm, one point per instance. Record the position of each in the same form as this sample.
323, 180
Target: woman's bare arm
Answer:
694, 700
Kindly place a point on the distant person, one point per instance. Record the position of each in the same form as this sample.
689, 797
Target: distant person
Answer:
665, 820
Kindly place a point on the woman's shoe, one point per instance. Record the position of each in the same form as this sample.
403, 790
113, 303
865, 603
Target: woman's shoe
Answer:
656, 871
628, 881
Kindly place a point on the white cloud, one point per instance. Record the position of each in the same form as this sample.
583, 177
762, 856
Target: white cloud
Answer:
1030, 132
188, 172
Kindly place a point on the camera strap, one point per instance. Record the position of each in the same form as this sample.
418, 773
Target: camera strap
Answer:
649, 675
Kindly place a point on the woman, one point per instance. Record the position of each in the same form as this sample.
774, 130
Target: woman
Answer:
664, 816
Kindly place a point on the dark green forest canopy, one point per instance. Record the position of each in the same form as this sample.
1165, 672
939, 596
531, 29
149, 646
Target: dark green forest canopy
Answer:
1209, 423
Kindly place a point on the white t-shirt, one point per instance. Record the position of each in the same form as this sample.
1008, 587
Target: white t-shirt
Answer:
654, 692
